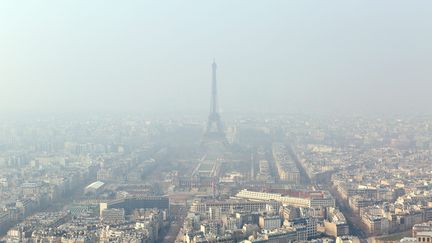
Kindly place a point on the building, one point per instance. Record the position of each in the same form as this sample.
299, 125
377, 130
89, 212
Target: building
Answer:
424, 227
347, 239
232, 205
270, 222
306, 225
376, 225
94, 188
113, 215
335, 223
425, 236
319, 199
131, 203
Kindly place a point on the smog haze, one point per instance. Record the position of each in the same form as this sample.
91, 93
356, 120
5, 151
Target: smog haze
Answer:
273, 56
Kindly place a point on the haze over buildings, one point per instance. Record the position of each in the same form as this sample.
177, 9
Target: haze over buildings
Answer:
314, 125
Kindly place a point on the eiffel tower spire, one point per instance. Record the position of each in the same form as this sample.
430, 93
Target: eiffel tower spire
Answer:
214, 131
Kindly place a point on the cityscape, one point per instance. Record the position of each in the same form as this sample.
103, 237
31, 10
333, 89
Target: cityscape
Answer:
275, 179
215, 121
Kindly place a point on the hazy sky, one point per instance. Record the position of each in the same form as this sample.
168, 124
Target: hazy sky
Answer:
279, 56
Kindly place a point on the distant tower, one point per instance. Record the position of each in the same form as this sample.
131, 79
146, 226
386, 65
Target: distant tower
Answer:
214, 131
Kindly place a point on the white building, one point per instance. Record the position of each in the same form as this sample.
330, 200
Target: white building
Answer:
270, 222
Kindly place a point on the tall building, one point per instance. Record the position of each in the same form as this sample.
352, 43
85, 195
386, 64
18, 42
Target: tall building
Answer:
214, 133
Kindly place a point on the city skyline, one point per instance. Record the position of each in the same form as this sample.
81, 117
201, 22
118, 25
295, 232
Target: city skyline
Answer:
118, 125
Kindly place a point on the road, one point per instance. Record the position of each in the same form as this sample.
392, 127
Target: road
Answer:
178, 215
352, 218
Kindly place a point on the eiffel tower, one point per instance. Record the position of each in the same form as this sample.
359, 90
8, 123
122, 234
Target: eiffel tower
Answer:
214, 131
